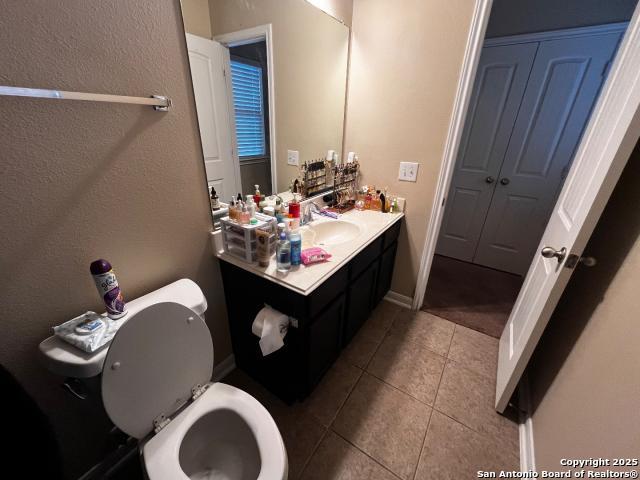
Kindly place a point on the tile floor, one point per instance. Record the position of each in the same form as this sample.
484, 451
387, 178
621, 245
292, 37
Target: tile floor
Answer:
411, 397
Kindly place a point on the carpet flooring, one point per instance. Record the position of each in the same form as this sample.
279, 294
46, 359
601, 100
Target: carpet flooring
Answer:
471, 295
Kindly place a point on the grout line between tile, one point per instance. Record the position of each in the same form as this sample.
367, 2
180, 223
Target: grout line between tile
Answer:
346, 398
404, 391
386, 333
484, 434
433, 407
313, 452
365, 453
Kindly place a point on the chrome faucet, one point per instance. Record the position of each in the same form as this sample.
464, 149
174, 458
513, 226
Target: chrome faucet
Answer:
307, 212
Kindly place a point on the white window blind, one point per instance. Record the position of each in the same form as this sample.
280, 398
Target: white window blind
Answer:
246, 82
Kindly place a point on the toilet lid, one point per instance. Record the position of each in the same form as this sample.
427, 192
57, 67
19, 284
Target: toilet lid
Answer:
153, 362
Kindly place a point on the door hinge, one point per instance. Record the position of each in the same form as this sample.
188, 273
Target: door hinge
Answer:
160, 422
224, 72
444, 199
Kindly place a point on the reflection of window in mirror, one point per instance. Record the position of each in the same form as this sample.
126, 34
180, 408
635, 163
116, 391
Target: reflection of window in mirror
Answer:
248, 92
249, 81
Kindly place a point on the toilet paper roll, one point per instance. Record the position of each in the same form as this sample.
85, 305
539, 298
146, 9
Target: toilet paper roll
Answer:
271, 326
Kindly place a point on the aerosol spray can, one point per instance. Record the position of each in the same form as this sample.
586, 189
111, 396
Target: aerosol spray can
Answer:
108, 288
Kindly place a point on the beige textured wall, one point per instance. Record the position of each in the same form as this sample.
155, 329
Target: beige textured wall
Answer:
512, 17
82, 180
405, 63
195, 14
310, 68
585, 377
339, 9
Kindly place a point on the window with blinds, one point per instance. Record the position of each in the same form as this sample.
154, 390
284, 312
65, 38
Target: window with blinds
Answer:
246, 83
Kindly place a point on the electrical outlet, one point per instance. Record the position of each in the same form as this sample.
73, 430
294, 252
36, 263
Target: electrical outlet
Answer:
293, 157
408, 171
351, 156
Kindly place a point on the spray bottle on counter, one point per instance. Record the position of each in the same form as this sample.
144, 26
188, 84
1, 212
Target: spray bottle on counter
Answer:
108, 288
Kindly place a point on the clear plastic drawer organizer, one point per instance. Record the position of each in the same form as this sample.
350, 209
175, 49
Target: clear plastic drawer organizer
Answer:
240, 240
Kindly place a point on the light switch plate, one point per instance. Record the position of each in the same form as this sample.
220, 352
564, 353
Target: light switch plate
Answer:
293, 157
408, 171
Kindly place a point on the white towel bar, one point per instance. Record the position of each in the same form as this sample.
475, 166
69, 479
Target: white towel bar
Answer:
158, 102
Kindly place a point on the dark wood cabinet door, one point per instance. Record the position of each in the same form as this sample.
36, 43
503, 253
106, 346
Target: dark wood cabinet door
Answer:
360, 300
324, 335
385, 273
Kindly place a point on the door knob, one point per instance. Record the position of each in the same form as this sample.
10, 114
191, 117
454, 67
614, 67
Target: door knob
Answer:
550, 252
489, 179
504, 181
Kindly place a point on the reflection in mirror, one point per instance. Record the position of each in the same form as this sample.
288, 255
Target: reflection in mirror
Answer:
269, 80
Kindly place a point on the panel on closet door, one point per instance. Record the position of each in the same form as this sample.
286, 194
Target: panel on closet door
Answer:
497, 92
562, 89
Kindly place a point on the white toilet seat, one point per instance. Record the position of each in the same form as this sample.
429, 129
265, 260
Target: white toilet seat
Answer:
162, 452
156, 366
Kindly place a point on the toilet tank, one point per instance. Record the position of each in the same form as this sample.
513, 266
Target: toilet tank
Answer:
185, 292
64, 359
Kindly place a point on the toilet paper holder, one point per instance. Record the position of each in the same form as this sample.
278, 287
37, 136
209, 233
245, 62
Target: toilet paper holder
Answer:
271, 326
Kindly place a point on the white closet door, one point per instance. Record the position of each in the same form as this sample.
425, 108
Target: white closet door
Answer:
610, 136
562, 89
499, 86
208, 60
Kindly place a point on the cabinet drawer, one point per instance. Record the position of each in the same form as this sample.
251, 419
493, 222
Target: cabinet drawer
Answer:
365, 257
391, 235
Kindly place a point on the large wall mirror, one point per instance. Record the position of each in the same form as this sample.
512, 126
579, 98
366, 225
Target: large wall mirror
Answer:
269, 80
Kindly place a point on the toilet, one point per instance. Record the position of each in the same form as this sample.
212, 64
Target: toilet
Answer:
156, 387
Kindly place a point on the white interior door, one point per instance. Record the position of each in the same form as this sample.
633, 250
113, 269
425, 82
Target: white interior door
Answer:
609, 139
500, 83
209, 60
564, 83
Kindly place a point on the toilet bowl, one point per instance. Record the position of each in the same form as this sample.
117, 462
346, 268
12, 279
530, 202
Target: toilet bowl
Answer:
156, 387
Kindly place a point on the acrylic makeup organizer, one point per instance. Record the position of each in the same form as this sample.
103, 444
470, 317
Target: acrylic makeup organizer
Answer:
345, 185
240, 239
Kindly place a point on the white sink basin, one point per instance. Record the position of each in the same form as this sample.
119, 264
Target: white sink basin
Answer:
334, 232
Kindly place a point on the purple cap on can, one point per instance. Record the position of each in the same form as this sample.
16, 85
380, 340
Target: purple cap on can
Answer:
99, 266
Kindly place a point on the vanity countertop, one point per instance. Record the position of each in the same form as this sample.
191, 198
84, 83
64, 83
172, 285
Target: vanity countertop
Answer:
305, 279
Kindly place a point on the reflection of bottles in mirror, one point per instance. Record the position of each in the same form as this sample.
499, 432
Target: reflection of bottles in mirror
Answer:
215, 201
232, 209
251, 206
245, 216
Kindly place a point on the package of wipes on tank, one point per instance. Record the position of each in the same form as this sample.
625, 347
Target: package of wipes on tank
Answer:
88, 332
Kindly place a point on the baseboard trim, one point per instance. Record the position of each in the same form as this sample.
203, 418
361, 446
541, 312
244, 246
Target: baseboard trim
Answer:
224, 368
399, 299
527, 451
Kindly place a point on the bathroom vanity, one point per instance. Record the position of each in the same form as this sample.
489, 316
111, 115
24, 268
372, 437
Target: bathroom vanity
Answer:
330, 301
